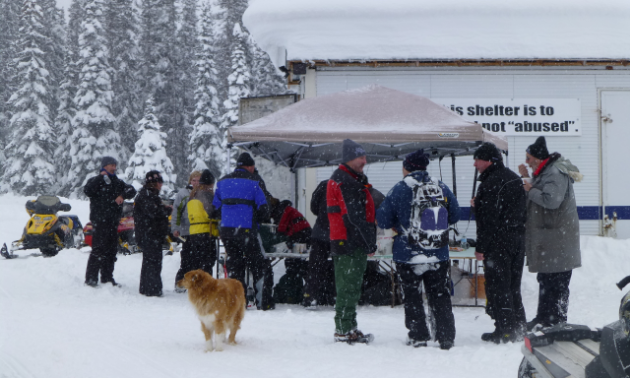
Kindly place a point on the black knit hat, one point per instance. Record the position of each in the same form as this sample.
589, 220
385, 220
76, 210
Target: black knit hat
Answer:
153, 176
488, 152
245, 160
107, 160
351, 150
416, 161
539, 149
207, 178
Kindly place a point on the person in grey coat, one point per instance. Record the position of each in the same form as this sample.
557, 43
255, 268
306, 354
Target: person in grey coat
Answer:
552, 236
180, 225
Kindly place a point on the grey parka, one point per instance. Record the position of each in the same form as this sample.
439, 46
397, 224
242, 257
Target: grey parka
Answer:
552, 237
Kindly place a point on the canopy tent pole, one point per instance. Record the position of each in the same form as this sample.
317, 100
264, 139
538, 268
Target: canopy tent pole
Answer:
454, 176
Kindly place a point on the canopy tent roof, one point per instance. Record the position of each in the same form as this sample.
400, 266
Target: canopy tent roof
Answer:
387, 123
365, 30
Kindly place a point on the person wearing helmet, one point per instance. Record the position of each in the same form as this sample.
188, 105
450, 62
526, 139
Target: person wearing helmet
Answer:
151, 227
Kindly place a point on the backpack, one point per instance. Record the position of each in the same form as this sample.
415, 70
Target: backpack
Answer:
428, 223
180, 210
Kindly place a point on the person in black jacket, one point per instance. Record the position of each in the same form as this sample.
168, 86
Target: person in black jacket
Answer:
500, 215
320, 246
106, 193
151, 227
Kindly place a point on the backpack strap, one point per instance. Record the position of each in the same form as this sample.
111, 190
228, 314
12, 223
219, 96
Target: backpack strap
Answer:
180, 210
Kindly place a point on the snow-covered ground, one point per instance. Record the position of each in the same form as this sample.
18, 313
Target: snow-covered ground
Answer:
51, 325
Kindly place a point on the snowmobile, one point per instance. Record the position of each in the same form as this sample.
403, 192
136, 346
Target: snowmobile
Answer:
47, 231
569, 350
126, 233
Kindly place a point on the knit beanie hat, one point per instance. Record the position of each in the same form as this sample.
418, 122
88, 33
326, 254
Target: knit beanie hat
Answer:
351, 150
539, 149
488, 152
107, 160
416, 161
245, 160
153, 176
207, 178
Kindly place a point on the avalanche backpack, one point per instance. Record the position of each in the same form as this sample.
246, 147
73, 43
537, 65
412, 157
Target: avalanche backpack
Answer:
428, 223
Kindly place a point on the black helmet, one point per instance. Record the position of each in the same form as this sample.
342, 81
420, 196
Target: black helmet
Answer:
207, 178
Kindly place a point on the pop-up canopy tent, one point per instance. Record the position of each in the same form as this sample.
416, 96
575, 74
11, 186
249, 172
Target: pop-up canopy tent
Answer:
388, 124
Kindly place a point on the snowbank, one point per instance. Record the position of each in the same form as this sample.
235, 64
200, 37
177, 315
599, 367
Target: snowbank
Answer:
55, 327
448, 29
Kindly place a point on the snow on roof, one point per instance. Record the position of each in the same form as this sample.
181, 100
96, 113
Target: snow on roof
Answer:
445, 29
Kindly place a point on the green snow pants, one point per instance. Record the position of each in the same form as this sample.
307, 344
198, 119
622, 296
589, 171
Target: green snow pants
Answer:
349, 270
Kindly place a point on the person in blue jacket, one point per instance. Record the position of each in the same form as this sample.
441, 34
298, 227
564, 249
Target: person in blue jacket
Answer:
421, 209
242, 205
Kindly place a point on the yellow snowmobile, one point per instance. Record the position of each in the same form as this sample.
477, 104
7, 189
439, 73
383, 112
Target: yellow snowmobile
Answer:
47, 231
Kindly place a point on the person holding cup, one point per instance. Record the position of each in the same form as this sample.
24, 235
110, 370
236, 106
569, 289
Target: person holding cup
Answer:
552, 239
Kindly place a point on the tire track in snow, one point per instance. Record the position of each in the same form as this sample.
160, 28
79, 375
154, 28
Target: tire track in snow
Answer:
142, 362
12, 368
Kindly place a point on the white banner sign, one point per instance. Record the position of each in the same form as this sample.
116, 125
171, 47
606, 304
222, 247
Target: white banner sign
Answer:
522, 116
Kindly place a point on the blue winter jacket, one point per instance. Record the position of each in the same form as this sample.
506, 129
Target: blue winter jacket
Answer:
240, 200
395, 212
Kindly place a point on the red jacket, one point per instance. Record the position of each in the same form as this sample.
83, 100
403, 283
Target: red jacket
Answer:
351, 212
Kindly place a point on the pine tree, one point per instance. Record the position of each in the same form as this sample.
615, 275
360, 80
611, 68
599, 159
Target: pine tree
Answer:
160, 77
29, 166
67, 91
55, 29
94, 135
266, 79
122, 32
9, 29
206, 141
150, 152
188, 46
239, 80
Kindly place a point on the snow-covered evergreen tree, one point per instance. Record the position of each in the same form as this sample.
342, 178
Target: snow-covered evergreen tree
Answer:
122, 34
67, 91
150, 153
94, 135
55, 29
29, 166
267, 80
188, 46
239, 80
206, 141
9, 29
160, 77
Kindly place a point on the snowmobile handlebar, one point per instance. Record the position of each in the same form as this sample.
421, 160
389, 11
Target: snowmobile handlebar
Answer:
621, 284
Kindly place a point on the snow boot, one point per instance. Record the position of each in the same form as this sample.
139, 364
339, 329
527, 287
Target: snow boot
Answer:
499, 337
415, 343
179, 289
536, 324
308, 302
353, 337
446, 345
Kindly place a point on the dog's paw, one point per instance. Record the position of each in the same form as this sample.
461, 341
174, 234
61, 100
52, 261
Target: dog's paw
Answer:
232, 342
219, 349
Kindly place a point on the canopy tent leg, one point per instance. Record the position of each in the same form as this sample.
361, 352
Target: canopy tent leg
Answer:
454, 176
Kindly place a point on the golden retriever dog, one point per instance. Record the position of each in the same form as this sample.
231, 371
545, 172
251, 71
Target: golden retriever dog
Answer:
220, 305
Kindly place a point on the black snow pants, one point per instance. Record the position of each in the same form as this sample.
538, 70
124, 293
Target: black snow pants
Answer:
151, 273
553, 297
437, 285
243, 251
503, 270
320, 252
103, 255
198, 252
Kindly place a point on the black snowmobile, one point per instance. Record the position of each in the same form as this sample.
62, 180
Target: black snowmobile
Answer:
47, 231
569, 350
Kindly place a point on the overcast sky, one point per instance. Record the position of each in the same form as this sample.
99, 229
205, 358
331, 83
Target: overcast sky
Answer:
64, 3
